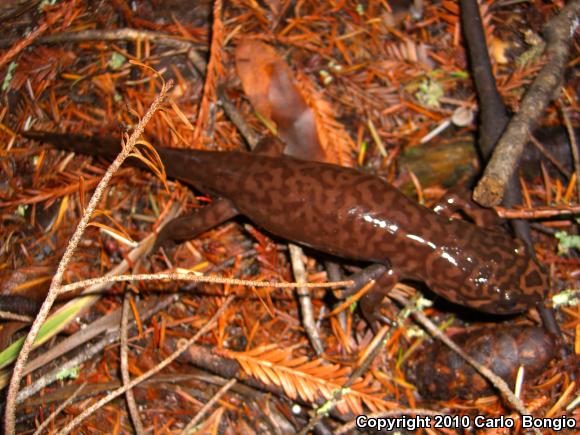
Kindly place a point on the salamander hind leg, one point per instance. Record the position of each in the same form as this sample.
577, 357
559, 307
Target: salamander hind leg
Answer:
188, 227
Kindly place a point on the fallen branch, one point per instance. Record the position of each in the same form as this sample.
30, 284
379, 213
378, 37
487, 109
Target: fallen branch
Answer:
493, 114
559, 33
537, 212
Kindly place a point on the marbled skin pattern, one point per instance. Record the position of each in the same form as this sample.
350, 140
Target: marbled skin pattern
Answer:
342, 212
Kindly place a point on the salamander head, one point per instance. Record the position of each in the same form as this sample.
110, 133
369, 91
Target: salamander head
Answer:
510, 288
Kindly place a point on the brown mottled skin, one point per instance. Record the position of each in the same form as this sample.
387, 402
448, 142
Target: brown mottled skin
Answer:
345, 213
352, 215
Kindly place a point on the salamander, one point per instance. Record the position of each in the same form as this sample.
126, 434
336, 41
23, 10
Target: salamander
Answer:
343, 212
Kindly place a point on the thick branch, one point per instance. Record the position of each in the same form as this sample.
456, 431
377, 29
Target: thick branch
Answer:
493, 114
492, 111
559, 32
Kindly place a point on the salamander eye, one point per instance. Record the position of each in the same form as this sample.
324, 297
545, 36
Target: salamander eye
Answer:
510, 301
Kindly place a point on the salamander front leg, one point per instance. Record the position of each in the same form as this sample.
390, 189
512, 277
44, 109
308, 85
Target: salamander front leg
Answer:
458, 199
361, 278
188, 227
385, 279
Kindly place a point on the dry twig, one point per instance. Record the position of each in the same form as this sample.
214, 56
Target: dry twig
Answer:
180, 349
212, 72
304, 299
537, 212
55, 285
58, 410
124, 349
198, 278
195, 420
86, 354
496, 381
375, 347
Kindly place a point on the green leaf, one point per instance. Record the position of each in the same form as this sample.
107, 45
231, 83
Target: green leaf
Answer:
429, 93
567, 241
117, 60
9, 74
71, 373
53, 325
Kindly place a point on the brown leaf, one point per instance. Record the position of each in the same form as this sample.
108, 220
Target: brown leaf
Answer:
271, 88
253, 63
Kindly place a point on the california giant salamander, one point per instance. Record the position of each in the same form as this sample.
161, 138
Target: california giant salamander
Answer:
352, 215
